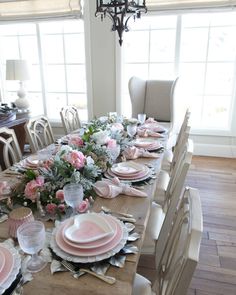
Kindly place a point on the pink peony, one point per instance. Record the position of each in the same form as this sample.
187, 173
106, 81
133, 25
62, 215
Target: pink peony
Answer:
31, 188
61, 208
76, 159
111, 143
51, 208
60, 195
83, 206
75, 140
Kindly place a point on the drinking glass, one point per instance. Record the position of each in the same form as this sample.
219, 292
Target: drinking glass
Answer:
73, 195
131, 130
31, 238
142, 118
114, 152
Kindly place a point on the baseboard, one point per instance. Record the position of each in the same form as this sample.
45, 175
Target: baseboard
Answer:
214, 150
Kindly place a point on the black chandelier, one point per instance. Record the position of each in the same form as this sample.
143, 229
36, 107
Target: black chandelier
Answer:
120, 11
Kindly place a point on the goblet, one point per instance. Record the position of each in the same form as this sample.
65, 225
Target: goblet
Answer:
142, 118
131, 130
73, 195
114, 152
31, 238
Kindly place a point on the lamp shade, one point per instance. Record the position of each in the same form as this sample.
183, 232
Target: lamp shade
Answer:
17, 70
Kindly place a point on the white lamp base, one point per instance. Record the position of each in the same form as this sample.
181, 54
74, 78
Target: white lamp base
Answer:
22, 103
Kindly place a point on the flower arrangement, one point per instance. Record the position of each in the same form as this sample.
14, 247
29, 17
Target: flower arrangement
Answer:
44, 186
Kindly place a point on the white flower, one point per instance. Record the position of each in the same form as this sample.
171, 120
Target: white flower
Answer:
101, 137
89, 161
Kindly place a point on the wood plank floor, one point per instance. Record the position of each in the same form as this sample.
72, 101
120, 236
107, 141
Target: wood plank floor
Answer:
215, 178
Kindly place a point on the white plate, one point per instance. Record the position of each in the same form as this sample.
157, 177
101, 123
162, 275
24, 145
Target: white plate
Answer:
88, 227
15, 270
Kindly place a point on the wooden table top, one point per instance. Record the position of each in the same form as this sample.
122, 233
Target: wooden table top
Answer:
63, 283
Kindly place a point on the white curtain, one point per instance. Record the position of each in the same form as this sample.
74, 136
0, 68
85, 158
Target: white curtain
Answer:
165, 5
15, 10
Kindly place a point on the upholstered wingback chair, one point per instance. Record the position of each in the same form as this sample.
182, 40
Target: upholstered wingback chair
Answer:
155, 98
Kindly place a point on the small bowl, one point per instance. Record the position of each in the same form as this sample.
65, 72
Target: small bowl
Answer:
17, 217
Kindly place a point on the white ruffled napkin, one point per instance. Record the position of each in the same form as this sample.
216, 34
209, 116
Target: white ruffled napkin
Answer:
110, 188
131, 153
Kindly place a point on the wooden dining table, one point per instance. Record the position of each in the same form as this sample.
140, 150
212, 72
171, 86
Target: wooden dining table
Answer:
63, 283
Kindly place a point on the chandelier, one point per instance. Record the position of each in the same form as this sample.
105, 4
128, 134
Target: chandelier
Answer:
120, 11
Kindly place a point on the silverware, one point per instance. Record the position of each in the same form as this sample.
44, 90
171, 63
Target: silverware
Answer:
71, 268
129, 226
133, 237
107, 210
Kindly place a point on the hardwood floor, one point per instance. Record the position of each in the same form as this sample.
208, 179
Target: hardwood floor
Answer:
215, 178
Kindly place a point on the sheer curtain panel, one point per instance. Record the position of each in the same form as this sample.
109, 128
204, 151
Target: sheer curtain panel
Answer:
163, 5
15, 10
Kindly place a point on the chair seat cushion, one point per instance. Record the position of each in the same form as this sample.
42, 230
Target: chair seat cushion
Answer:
141, 286
162, 184
153, 229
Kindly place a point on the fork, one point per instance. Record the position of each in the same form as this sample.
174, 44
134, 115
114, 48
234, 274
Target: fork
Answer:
71, 268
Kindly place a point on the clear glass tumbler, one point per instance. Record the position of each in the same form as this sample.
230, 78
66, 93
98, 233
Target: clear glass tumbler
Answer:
73, 195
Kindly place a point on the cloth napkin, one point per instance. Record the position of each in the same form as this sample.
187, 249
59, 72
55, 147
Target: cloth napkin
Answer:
131, 153
145, 132
110, 188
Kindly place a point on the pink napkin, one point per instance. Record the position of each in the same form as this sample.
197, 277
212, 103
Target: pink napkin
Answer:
110, 188
150, 120
132, 152
5, 189
144, 132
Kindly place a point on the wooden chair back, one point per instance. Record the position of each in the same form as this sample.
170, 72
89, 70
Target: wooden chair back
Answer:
39, 133
11, 152
179, 259
70, 119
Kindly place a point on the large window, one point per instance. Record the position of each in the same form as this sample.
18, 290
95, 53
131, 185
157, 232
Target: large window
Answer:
55, 51
200, 49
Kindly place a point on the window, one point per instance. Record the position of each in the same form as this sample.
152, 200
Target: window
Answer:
55, 51
200, 49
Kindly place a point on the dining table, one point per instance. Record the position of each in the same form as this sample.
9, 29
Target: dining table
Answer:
63, 283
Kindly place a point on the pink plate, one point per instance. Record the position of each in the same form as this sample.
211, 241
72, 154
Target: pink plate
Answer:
8, 266
89, 252
137, 176
2, 260
91, 245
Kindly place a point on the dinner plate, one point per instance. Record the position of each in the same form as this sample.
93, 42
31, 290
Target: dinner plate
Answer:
91, 251
148, 175
32, 160
127, 168
8, 265
90, 259
148, 144
155, 127
139, 175
95, 244
87, 228
11, 267
2, 260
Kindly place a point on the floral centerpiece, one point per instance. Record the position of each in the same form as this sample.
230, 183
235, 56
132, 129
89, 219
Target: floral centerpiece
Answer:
43, 187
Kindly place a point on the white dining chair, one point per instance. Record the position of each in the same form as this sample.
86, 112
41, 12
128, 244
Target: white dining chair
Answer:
70, 119
158, 215
155, 98
39, 133
175, 266
10, 150
169, 158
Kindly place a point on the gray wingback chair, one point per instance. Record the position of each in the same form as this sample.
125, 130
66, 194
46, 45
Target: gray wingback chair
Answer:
155, 98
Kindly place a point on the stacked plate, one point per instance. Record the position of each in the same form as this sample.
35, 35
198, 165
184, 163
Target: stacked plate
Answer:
31, 162
149, 144
129, 171
89, 237
10, 264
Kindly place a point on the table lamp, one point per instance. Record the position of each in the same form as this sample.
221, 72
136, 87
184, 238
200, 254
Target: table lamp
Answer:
18, 70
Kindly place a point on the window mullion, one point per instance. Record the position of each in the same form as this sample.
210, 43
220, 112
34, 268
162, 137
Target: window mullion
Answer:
65, 66
41, 68
177, 44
